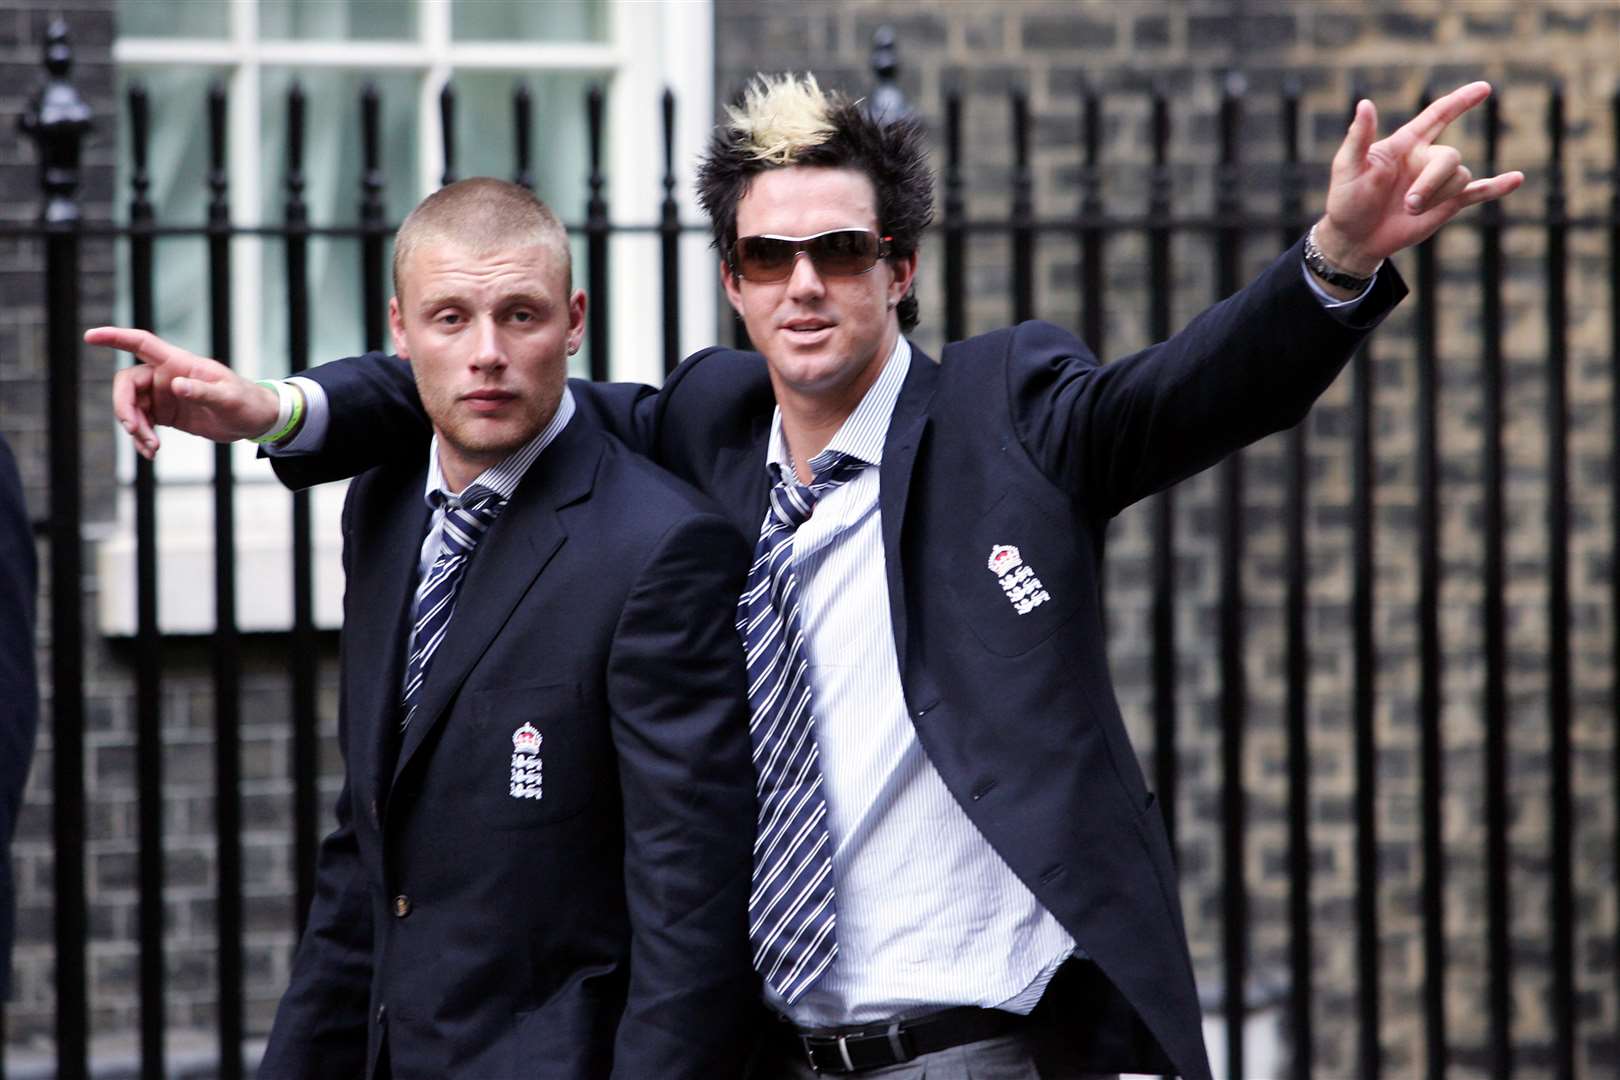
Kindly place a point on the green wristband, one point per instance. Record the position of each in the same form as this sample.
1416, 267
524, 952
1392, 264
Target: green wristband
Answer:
285, 392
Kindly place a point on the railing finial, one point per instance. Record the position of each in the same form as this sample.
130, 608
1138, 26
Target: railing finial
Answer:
57, 119
886, 102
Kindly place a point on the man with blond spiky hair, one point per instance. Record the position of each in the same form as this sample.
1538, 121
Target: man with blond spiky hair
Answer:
958, 870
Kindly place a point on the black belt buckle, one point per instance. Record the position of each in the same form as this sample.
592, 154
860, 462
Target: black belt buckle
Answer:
860, 1051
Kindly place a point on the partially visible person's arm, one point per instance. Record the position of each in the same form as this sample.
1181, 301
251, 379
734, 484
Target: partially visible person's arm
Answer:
19, 701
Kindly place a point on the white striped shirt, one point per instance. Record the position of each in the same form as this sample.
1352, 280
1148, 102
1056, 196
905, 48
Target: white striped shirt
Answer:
929, 916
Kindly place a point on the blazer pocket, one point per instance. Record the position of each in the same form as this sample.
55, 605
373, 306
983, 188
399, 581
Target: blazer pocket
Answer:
1012, 573
538, 754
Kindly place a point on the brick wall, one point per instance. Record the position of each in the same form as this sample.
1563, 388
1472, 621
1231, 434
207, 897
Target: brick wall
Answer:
1051, 50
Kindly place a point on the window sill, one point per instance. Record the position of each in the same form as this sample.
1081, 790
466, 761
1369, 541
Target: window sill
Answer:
185, 562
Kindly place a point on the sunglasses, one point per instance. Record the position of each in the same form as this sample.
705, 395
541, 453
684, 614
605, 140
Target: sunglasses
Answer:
835, 253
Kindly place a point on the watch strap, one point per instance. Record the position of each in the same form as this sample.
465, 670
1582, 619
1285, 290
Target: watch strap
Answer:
1318, 264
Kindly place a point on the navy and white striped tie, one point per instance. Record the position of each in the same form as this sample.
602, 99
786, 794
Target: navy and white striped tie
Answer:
791, 914
465, 521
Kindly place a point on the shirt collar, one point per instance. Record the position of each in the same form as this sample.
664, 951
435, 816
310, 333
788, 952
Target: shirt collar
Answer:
502, 479
862, 433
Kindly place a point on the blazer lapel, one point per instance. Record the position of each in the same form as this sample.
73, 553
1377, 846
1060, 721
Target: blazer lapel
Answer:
907, 428
374, 645
503, 568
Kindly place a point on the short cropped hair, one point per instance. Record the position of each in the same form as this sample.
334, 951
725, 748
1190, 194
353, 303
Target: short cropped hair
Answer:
789, 120
485, 215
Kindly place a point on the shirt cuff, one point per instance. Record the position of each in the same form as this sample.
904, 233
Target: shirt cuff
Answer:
312, 433
1340, 308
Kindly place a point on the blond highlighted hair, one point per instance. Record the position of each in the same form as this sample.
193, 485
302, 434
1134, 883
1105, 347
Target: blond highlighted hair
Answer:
783, 121
780, 117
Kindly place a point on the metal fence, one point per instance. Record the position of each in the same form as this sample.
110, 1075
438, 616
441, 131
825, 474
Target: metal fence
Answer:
58, 125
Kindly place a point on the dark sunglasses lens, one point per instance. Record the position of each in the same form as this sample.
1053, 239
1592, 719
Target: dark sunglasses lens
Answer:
765, 258
848, 251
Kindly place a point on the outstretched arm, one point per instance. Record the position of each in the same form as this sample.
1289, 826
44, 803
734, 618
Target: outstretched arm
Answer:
372, 413
1387, 194
382, 416
1255, 362
176, 388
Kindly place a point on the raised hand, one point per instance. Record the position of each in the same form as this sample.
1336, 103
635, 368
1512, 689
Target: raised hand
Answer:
1390, 194
181, 389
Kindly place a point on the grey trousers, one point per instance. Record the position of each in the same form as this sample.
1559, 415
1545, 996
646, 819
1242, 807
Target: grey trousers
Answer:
1008, 1057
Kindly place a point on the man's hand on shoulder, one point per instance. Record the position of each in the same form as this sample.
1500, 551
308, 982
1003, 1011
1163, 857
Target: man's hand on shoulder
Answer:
176, 388
1387, 194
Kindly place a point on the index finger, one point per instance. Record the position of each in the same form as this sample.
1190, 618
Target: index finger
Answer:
142, 343
1427, 125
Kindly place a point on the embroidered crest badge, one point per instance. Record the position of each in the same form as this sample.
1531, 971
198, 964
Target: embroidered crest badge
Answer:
526, 740
1004, 557
1018, 580
526, 763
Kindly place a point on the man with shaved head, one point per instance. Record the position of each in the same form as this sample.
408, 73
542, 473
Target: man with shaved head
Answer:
541, 863
959, 870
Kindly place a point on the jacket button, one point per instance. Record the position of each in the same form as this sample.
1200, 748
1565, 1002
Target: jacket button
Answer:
382, 1013
402, 905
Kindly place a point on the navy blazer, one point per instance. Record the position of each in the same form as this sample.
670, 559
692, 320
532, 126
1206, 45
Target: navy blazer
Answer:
599, 929
19, 696
1018, 438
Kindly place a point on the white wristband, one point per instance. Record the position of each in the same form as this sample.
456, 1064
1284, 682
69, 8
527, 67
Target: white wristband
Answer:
287, 410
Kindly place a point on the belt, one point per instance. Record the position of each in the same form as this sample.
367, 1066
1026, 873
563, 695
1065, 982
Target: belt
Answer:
872, 1046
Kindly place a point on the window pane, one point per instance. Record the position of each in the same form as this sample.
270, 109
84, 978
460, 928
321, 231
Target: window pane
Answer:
511, 20
177, 165
332, 166
558, 134
338, 20
162, 18
558, 146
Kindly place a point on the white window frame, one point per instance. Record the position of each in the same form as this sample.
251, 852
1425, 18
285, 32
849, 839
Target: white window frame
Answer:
652, 44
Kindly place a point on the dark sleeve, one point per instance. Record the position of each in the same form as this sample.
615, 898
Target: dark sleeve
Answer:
1249, 366
376, 417
321, 1026
19, 700
680, 726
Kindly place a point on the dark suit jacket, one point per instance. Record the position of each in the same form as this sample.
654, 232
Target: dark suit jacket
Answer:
600, 928
19, 699
1020, 438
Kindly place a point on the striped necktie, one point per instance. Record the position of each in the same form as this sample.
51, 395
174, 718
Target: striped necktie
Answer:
465, 521
790, 912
